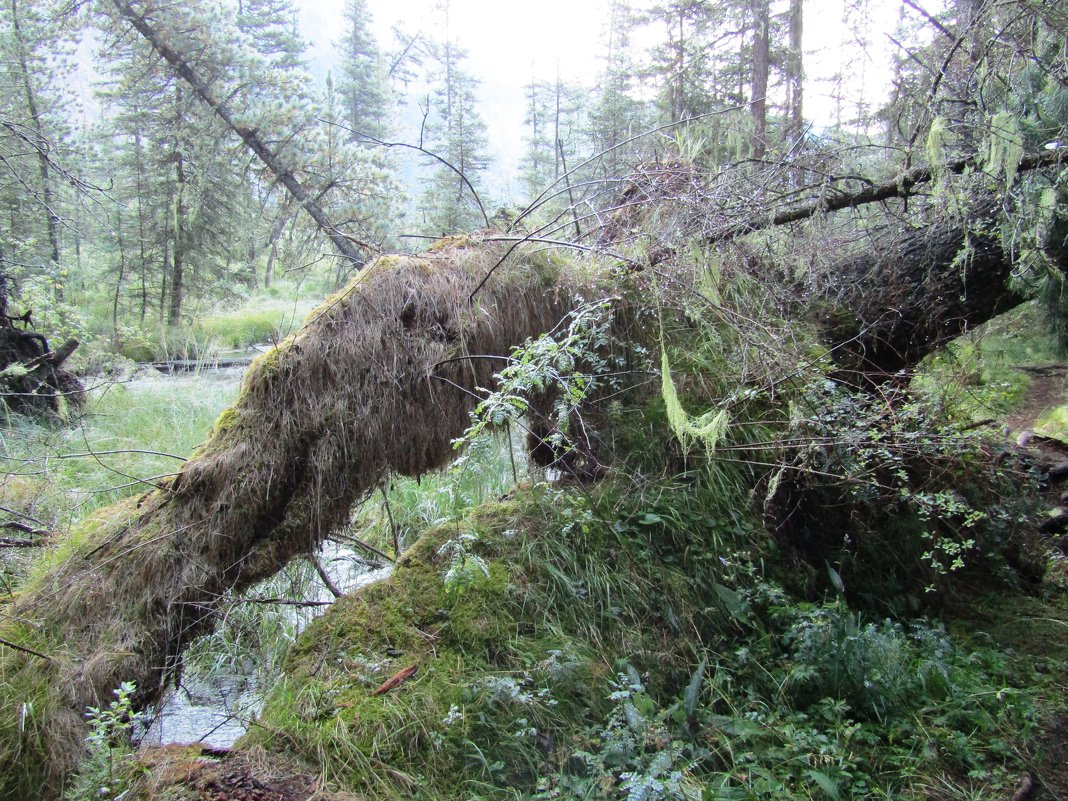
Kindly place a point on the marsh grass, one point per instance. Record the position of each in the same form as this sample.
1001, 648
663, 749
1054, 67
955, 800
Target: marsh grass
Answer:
404, 507
266, 320
59, 475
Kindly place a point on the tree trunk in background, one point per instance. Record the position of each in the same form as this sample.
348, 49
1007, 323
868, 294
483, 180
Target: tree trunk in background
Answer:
761, 65
174, 313
795, 75
272, 253
47, 198
139, 182
118, 284
164, 276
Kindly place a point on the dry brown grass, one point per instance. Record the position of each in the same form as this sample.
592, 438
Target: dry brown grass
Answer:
375, 382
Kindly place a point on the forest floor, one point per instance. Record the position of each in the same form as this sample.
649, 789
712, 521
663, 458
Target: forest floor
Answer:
1045, 392
1029, 629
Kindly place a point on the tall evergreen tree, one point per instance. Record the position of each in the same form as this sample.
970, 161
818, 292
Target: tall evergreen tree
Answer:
539, 153
457, 134
32, 140
178, 175
363, 87
680, 65
616, 114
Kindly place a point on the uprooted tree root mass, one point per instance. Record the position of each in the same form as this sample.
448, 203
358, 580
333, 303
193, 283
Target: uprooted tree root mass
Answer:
33, 379
371, 384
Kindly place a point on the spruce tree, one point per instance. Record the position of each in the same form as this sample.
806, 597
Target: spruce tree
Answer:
456, 134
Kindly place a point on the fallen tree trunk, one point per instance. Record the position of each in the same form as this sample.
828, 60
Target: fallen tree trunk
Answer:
380, 380
891, 306
370, 385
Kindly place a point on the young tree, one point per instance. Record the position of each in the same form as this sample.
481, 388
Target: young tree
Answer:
540, 153
457, 134
363, 87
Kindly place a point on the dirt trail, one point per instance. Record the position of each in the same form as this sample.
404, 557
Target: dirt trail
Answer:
1049, 384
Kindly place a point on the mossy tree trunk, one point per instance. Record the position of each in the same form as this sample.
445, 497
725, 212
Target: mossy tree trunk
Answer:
370, 385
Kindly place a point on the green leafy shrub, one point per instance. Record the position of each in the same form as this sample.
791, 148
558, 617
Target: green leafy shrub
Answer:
107, 771
898, 497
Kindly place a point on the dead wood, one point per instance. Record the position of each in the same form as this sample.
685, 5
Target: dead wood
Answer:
889, 306
832, 199
32, 377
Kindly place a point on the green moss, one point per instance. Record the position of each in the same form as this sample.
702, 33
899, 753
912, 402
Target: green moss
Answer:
225, 421
265, 366
391, 262
450, 242
1053, 423
437, 724
508, 660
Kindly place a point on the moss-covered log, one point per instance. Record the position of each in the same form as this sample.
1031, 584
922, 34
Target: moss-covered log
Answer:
375, 382
371, 384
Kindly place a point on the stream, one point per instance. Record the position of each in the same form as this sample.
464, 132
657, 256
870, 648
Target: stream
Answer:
216, 709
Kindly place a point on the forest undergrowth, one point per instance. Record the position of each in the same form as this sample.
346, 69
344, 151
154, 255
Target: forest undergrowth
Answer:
819, 595
670, 632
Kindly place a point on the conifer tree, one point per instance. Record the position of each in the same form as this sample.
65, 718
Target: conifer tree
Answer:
32, 140
456, 134
680, 64
616, 114
539, 155
362, 86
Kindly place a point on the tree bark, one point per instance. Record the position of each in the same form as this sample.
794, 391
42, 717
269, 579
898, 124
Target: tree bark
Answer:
761, 68
47, 199
174, 313
346, 246
885, 311
795, 73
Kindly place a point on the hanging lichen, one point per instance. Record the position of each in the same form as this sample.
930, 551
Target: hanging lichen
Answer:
1005, 149
707, 428
936, 145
